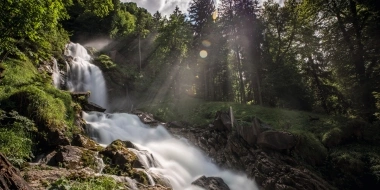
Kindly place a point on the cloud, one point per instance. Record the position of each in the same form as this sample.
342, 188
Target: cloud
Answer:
165, 7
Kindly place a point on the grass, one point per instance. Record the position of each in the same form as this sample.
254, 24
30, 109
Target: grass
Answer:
29, 92
90, 183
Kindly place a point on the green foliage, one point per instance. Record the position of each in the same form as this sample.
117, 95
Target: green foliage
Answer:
100, 8
124, 23
16, 139
26, 23
309, 149
105, 61
89, 183
31, 94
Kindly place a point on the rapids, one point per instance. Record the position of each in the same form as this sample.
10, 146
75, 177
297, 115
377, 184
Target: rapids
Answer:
177, 161
161, 153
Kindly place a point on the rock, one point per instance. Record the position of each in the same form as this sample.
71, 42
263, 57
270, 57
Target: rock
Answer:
82, 97
211, 183
277, 140
57, 138
10, 177
161, 180
120, 156
72, 157
250, 133
90, 106
85, 142
223, 121
145, 117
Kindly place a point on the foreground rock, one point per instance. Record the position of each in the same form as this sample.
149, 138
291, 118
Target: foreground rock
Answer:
10, 177
211, 183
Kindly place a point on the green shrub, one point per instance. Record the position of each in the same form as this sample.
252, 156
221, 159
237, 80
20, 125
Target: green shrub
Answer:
332, 137
309, 149
16, 139
105, 61
90, 183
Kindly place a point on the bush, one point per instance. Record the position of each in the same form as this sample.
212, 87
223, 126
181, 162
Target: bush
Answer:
91, 183
16, 139
105, 61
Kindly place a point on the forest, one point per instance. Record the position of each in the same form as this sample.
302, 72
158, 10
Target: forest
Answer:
313, 55
318, 57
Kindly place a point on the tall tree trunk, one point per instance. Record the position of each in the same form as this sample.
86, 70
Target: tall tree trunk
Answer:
140, 52
357, 52
241, 81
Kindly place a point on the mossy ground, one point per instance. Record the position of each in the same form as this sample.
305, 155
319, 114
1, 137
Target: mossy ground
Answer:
30, 92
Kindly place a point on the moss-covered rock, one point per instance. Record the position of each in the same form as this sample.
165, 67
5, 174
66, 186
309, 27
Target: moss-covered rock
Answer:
119, 159
86, 142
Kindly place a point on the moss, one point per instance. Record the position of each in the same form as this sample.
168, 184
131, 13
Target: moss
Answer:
332, 137
119, 159
140, 176
88, 159
309, 149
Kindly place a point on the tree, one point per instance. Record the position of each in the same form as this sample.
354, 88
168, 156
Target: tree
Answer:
352, 45
25, 22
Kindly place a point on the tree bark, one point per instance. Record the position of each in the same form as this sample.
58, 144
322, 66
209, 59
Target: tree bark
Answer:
10, 178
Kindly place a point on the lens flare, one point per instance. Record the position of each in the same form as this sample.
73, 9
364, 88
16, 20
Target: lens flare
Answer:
203, 53
206, 43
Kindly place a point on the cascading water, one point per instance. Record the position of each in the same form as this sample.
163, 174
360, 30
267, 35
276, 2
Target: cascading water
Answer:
177, 161
84, 76
56, 74
160, 152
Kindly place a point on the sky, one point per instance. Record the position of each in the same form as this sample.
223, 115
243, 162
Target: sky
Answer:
166, 7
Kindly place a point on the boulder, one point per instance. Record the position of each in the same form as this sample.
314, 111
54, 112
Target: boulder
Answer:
249, 133
85, 142
211, 183
10, 177
120, 156
72, 157
145, 117
277, 140
223, 121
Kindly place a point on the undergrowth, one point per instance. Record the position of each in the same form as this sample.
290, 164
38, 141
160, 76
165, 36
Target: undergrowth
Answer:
31, 94
90, 183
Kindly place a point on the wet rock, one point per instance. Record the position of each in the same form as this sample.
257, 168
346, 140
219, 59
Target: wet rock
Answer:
121, 157
10, 177
277, 140
211, 183
146, 117
85, 142
82, 97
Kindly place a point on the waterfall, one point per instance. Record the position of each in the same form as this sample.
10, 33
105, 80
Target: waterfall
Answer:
56, 74
177, 161
84, 76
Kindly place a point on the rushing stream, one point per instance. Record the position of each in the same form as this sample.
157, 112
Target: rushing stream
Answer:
160, 152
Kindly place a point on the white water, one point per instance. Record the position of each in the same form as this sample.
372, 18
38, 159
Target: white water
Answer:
56, 74
84, 76
177, 161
